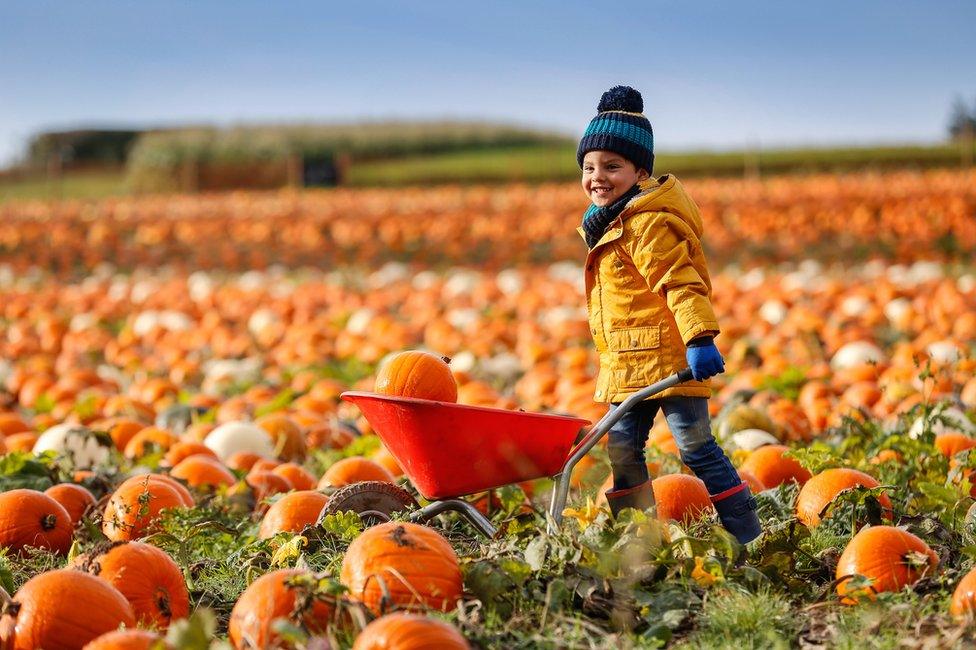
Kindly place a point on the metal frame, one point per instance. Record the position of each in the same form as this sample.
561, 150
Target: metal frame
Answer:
561, 491
463, 508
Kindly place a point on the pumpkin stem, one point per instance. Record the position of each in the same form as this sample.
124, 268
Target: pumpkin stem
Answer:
446, 359
49, 521
399, 537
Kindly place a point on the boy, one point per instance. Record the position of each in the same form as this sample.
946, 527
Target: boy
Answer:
647, 292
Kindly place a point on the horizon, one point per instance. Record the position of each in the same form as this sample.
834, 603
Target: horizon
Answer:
772, 77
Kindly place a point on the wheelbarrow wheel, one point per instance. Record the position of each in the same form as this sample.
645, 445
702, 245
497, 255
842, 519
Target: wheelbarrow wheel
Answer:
374, 501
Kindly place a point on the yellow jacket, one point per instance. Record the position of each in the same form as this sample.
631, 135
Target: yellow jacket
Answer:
647, 292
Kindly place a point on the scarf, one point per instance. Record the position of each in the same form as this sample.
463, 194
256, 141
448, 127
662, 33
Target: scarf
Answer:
596, 219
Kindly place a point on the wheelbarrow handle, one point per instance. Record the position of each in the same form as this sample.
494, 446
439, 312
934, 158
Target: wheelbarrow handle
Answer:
597, 432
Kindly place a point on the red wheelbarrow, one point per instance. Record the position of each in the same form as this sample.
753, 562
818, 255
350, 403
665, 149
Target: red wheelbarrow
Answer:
450, 450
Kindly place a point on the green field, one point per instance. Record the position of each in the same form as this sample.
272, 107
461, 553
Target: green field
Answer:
543, 163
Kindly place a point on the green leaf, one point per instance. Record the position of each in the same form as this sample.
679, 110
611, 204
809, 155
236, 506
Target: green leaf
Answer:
345, 525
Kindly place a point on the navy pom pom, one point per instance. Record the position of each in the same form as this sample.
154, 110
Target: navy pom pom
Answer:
621, 98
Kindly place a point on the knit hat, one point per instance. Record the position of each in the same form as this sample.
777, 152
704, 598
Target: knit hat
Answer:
620, 127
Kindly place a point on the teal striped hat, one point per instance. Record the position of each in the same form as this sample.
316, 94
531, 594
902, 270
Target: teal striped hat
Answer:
620, 127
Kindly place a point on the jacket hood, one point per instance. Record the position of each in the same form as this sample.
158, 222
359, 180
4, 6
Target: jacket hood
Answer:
665, 194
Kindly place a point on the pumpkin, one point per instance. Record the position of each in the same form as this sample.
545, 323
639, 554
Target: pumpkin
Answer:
184, 449
402, 564
203, 472
148, 578
288, 594
79, 445
135, 505
75, 499
951, 443
406, 631
289, 444
62, 610
149, 439
891, 558
264, 485
121, 430
680, 497
242, 461
299, 477
964, 597
820, 491
772, 468
419, 374
24, 441
387, 461
353, 470
32, 518
11, 423
755, 485
232, 437
292, 513
125, 640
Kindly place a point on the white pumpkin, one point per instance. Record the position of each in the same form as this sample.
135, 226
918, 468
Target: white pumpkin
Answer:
944, 420
79, 445
751, 439
856, 353
232, 437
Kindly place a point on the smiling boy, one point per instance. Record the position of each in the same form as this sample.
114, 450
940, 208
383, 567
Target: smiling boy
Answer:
647, 290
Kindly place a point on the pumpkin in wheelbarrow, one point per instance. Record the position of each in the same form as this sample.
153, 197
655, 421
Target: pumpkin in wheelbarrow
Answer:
419, 374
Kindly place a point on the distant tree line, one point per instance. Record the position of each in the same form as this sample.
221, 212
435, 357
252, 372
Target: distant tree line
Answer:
962, 120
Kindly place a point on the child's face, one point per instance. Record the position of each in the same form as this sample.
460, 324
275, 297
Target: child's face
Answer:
607, 175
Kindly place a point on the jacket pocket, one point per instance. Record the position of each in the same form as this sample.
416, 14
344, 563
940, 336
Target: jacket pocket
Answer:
631, 339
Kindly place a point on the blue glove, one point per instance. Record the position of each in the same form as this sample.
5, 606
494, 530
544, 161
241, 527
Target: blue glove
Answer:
704, 358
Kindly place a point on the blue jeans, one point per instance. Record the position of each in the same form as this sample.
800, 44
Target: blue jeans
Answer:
690, 425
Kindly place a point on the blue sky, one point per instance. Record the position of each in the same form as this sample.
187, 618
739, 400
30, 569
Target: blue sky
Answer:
713, 74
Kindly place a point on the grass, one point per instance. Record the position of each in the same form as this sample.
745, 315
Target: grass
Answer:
534, 164
76, 185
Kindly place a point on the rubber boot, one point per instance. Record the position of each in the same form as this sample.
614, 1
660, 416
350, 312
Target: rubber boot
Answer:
737, 510
640, 497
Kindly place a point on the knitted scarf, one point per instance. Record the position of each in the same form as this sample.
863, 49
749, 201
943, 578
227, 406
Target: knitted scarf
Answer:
596, 220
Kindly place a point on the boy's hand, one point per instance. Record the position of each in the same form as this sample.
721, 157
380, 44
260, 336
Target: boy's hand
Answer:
704, 358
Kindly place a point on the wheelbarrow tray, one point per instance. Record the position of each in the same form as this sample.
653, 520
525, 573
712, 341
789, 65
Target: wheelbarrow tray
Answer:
450, 450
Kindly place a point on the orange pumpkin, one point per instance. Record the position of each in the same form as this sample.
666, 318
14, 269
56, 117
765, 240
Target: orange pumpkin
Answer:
203, 472
147, 439
680, 497
63, 609
264, 485
755, 485
288, 594
887, 556
817, 493
243, 461
352, 470
121, 430
406, 631
964, 597
136, 504
299, 477
772, 469
125, 640
292, 513
184, 449
402, 563
75, 499
24, 441
953, 442
32, 518
289, 444
419, 374
148, 578
387, 461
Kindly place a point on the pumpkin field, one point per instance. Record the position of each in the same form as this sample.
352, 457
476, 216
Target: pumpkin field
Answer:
173, 440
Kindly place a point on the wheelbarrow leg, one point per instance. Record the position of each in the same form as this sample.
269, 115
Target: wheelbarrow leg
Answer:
562, 480
463, 508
